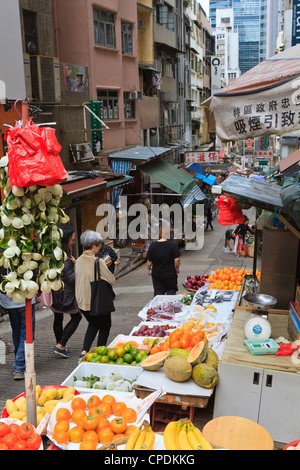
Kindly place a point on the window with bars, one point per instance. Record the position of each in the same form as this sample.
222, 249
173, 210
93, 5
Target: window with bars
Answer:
127, 38
104, 28
129, 106
164, 15
110, 104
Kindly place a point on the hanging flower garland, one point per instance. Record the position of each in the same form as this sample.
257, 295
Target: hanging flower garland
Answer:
30, 238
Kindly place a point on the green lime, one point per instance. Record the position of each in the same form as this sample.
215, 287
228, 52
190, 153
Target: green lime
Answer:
102, 350
119, 361
139, 357
134, 352
127, 347
120, 352
104, 359
133, 363
127, 358
112, 355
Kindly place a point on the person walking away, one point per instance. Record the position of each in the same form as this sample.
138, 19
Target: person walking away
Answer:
209, 218
84, 270
17, 318
64, 301
163, 263
106, 250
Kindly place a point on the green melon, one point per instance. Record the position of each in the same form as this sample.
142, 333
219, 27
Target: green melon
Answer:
198, 353
154, 361
205, 375
178, 369
179, 352
212, 358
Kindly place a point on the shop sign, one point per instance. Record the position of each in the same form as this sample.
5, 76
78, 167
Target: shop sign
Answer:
296, 23
271, 111
263, 154
201, 157
214, 169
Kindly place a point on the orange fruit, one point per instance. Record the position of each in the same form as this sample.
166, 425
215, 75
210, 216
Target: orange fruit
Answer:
62, 425
130, 415
87, 445
61, 437
109, 399
104, 409
90, 436
118, 425
93, 401
102, 423
63, 414
78, 415
106, 435
130, 429
78, 403
118, 408
76, 434
118, 436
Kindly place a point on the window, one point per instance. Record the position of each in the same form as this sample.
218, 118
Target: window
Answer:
30, 30
104, 28
165, 16
110, 103
127, 38
129, 106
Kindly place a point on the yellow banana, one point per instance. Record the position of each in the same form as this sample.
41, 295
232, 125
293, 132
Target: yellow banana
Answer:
140, 440
149, 439
132, 439
203, 442
169, 436
183, 439
193, 441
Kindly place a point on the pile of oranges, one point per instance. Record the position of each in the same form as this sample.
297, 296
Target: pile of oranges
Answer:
87, 423
185, 337
228, 278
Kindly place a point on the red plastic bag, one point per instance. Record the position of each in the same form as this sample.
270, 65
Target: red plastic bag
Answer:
33, 156
229, 213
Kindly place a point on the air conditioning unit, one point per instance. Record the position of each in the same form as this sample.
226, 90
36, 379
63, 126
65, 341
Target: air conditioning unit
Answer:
135, 95
27, 72
141, 24
82, 152
45, 78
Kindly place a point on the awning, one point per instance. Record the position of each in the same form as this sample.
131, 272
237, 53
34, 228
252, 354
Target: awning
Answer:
123, 179
262, 194
263, 101
84, 186
289, 161
169, 176
139, 152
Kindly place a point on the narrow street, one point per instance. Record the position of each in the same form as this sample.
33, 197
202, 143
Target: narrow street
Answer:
133, 291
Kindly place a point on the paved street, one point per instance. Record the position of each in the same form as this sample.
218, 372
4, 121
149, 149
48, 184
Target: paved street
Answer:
133, 291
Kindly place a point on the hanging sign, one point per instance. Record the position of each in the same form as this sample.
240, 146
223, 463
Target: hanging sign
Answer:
296, 23
201, 157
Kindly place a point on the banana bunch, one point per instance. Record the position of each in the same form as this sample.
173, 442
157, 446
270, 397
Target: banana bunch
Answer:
183, 435
142, 438
46, 401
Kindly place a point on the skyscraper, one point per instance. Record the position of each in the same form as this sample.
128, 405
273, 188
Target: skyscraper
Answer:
247, 22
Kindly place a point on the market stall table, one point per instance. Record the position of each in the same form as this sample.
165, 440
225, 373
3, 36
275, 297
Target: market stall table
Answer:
235, 433
262, 388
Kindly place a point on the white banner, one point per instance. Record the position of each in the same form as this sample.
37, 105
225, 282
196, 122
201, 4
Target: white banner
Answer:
271, 111
201, 157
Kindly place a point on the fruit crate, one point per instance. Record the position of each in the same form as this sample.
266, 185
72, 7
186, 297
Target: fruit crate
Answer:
162, 413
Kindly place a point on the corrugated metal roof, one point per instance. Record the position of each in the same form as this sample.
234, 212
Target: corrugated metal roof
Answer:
139, 152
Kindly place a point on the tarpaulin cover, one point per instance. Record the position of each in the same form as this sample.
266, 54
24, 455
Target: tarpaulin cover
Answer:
263, 101
290, 194
33, 156
229, 213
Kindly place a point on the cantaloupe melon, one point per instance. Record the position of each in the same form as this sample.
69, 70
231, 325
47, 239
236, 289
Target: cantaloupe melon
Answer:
198, 353
178, 369
212, 358
154, 361
205, 375
179, 352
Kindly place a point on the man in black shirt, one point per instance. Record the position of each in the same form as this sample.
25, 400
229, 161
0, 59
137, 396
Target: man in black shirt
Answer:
163, 263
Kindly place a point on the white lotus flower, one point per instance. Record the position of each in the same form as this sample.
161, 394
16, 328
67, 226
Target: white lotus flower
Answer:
36, 256
18, 297
17, 223
18, 191
12, 250
6, 221
4, 161
56, 285
26, 219
51, 273
58, 253
28, 275
2, 234
12, 286
12, 276
45, 287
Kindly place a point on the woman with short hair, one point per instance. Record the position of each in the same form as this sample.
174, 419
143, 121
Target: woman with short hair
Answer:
91, 242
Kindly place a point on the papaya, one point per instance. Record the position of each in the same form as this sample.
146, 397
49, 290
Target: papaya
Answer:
154, 361
178, 369
205, 375
21, 404
49, 393
212, 358
198, 353
17, 415
179, 352
10, 407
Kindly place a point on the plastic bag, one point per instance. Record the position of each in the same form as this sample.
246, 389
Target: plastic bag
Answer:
229, 213
33, 156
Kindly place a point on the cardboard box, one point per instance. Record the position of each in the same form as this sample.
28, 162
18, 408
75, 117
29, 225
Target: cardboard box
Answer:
294, 323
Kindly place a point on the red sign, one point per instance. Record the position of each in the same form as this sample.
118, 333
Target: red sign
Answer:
263, 154
201, 157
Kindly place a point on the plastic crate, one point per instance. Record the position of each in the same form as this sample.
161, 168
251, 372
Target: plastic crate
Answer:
162, 413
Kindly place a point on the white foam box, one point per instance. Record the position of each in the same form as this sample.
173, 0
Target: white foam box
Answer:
86, 369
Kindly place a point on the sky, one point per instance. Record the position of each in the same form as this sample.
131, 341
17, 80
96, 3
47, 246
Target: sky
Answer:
205, 6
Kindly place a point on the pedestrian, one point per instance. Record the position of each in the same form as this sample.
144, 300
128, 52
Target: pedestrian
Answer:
229, 235
106, 250
84, 269
17, 317
64, 301
163, 263
209, 218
